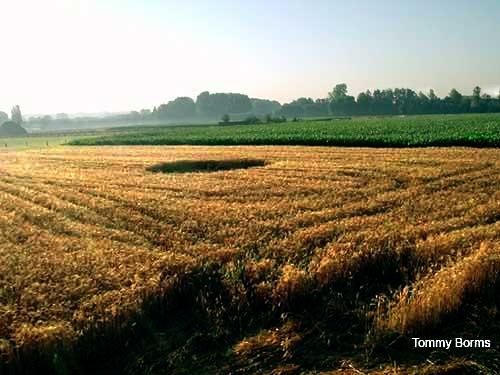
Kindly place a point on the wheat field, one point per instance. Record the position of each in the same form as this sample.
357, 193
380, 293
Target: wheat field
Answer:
406, 237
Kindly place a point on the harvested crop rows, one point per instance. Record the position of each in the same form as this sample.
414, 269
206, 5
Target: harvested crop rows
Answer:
88, 236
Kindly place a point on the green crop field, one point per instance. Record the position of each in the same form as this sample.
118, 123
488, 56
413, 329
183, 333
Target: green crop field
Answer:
414, 131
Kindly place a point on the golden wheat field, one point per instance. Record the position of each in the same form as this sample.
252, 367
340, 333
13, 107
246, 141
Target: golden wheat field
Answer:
396, 240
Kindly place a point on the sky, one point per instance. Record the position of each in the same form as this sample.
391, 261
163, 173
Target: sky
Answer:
119, 55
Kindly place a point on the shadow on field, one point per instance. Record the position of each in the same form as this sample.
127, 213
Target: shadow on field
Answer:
187, 166
209, 321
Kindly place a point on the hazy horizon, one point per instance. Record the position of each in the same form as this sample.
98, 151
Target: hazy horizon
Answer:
113, 56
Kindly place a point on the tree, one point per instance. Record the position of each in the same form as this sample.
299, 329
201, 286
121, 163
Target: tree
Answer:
291, 110
252, 119
3, 117
338, 92
454, 102
320, 107
16, 115
344, 106
12, 129
219, 103
239, 103
225, 118
364, 102
161, 111
264, 106
455, 96
405, 101
310, 107
46, 120
181, 107
423, 103
476, 99
383, 102
433, 102
203, 105
145, 113
476, 92
340, 102
432, 95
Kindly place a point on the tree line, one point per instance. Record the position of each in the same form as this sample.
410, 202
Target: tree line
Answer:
215, 105
399, 101
15, 116
210, 106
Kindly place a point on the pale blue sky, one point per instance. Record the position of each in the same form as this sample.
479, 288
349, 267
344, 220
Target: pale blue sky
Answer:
113, 55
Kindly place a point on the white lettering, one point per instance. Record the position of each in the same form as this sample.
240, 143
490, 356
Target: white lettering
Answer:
447, 344
466, 343
421, 343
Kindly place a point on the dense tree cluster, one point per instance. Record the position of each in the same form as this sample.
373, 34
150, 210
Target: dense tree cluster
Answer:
305, 107
3, 117
206, 106
399, 101
12, 129
182, 107
264, 106
218, 104
214, 106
